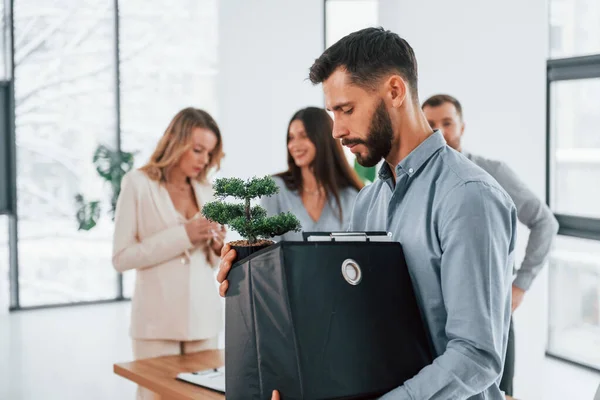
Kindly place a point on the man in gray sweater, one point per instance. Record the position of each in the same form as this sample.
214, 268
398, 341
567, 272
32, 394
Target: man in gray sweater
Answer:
444, 112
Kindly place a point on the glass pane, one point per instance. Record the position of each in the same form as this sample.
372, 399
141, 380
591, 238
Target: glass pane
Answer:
343, 17
4, 41
65, 108
346, 16
574, 28
574, 331
575, 130
168, 61
4, 263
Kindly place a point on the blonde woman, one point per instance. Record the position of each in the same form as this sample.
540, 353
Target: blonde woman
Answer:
160, 233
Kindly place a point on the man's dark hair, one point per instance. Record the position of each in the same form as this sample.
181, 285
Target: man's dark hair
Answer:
368, 55
439, 99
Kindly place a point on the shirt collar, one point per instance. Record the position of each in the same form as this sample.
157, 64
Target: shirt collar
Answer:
416, 158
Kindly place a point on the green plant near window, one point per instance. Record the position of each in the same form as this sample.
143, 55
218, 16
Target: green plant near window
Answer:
111, 165
366, 174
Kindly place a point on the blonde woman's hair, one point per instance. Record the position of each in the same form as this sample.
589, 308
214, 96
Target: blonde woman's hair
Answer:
177, 140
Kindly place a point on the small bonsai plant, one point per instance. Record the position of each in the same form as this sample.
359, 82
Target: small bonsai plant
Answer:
252, 223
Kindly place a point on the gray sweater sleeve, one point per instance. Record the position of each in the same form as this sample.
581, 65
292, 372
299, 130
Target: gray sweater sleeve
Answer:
534, 214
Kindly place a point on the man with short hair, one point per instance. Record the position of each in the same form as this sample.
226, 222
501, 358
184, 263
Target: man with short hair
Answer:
457, 226
445, 112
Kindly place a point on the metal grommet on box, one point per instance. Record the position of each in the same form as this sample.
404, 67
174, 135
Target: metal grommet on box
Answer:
351, 271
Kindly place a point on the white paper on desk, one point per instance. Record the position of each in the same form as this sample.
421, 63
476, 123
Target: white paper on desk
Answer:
213, 378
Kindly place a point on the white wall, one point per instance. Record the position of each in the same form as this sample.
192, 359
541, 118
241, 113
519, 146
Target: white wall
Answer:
491, 56
265, 50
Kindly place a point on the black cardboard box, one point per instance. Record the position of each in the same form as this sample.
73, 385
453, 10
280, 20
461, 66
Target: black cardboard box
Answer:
322, 320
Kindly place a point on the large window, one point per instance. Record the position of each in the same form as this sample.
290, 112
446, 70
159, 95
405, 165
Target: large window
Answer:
88, 74
573, 180
64, 108
575, 300
575, 130
4, 40
343, 17
168, 62
574, 28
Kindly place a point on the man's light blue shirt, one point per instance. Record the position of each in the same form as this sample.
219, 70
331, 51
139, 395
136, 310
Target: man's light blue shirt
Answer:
457, 227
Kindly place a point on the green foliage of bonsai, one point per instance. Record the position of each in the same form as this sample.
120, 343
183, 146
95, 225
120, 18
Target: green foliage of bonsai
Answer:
252, 223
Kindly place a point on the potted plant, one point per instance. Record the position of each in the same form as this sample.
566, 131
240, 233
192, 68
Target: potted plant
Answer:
111, 165
251, 222
366, 174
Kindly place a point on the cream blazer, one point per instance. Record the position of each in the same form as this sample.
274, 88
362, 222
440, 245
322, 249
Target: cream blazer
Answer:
176, 296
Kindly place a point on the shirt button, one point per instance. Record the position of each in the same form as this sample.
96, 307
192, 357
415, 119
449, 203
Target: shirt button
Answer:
410, 170
183, 260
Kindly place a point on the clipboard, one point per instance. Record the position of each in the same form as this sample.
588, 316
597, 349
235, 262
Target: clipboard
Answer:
370, 236
213, 379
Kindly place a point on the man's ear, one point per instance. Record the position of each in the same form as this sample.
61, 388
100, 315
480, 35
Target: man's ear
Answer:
462, 130
397, 89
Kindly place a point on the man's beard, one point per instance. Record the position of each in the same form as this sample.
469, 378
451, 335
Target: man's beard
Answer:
379, 140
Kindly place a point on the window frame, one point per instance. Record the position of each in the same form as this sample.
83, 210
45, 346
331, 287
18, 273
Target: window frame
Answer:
557, 70
13, 215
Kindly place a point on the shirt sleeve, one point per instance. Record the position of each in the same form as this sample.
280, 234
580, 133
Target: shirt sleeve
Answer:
350, 196
357, 221
538, 218
477, 231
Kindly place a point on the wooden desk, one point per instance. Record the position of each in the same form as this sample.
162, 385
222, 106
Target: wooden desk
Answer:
158, 374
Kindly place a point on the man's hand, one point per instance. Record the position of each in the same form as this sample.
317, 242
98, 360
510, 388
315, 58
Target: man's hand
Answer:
227, 257
517, 297
275, 395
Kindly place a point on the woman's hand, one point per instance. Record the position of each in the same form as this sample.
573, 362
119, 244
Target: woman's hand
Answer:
200, 230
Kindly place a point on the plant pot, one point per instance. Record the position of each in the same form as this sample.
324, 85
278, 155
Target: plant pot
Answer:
244, 249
